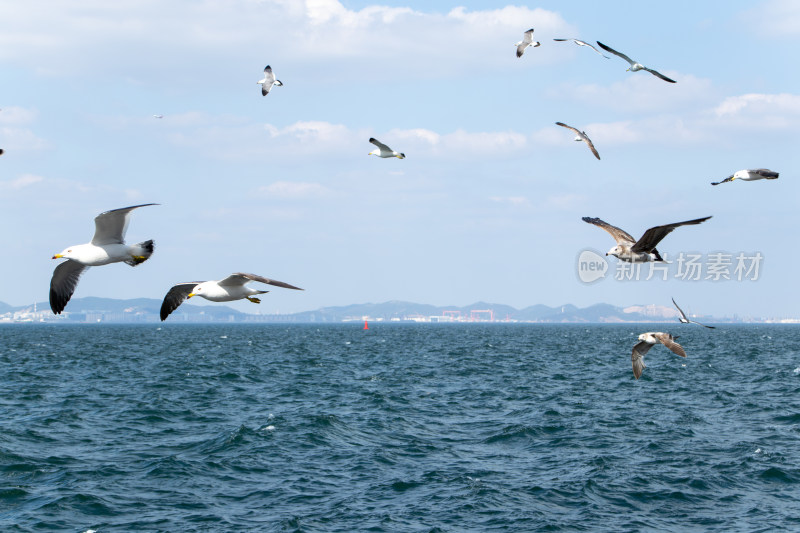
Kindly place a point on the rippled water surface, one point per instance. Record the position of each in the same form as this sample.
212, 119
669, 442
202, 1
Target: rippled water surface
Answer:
398, 428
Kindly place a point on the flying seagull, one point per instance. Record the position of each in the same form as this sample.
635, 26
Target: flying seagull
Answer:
684, 320
635, 66
647, 340
581, 136
107, 246
583, 43
750, 175
158, 116
383, 150
527, 40
268, 81
641, 251
234, 287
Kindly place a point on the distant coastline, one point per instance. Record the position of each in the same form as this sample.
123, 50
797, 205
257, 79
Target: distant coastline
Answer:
146, 310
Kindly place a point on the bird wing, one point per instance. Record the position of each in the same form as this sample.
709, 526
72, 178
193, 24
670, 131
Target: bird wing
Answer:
637, 357
699, 324
654, 235
62, 285
379, 144
766, 173
666, 340
584, 43
620, 54
576, 130
110, 227
521, 48
726, 180
527, 37
269, 80
589, 143
621, 236
240, 278
658, 75
176, 296
679, 309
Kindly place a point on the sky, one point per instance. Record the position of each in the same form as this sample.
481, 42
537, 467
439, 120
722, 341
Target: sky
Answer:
486, 206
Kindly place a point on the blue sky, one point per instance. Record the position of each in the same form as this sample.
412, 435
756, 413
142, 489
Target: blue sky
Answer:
486, 206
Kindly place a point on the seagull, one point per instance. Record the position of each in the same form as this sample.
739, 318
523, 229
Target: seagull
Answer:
584, 43
268, 81
234, 287
527, 40
684, 320
383, 150
158, 116
750, 175
641, 251
635, 66
581, 136
647, 340
107, 246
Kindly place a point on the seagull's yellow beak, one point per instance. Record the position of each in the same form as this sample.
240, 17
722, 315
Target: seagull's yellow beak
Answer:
190, 295
57, 256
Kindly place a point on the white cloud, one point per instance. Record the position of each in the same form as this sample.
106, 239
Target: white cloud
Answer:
17, 116
136, 40
759, 105
776, 18
287, 189
517, 201
640, 92
26, 180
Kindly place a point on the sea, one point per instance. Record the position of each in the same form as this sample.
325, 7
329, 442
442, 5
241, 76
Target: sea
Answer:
401, 427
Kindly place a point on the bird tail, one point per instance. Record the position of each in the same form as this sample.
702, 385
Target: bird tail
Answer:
141, 252
658, 255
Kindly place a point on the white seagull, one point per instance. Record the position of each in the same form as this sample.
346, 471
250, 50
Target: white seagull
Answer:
107, 246
158, 116
234, 287
683, 319
268, 81
581, 136
527, 40
635, 65
647, 340
583, 43
383, 150
750, 175
641, 251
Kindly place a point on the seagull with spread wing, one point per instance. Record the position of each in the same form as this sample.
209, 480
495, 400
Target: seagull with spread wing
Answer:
641, 251
647, 341
234, 287
107, 246
581, 136
527, 40
683, 319
383, 150
583, 43
268, 81
635, 65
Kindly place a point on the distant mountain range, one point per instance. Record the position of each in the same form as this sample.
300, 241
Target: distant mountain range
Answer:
147, 310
